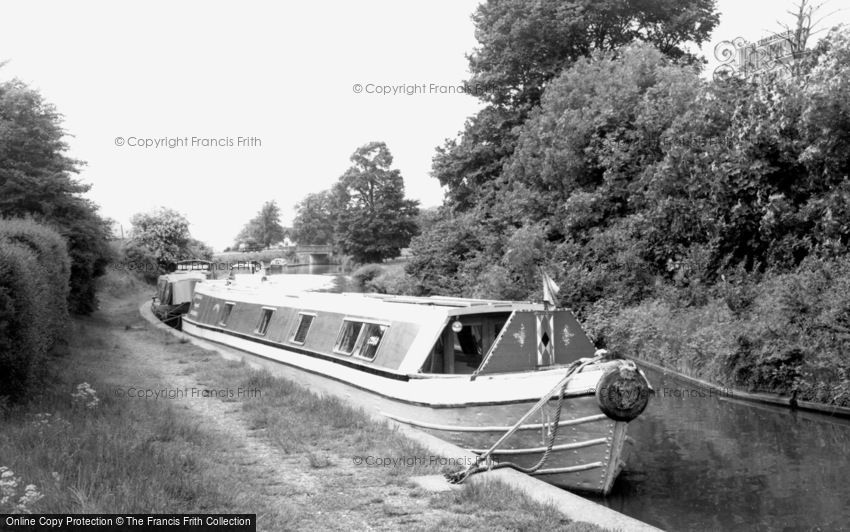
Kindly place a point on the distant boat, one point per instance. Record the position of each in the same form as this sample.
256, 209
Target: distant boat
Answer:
195, 265
471, 371
174, 293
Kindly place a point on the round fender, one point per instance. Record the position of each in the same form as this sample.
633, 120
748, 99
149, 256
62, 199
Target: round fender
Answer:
622, 393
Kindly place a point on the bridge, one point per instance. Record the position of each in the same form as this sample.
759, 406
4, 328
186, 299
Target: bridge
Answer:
319, 254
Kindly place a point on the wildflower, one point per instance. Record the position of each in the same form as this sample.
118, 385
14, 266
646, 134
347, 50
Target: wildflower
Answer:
41, 420
9, 491
28, 499
85, 396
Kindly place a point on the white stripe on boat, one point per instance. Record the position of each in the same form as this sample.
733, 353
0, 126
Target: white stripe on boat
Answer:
455, 428
533, 450
571, 469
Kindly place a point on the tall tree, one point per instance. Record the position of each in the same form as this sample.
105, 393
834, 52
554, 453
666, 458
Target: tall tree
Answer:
265, 227
36, 180
375, 220
524, 44
315, 217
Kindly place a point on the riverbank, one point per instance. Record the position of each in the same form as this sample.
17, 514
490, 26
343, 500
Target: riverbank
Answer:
766, 398
783, 337
163, 426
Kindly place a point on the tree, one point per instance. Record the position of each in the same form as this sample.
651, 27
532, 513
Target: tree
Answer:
265, 227
524, 44
315, 218
375, 220
36, 180
199, 250
163, 233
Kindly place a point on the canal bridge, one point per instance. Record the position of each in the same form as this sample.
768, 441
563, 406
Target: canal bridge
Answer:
310, 254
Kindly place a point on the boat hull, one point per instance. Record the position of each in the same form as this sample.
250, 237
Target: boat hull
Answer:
588, 451
170, 314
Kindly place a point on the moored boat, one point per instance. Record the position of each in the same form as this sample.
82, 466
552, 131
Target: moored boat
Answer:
174, 291
470, 371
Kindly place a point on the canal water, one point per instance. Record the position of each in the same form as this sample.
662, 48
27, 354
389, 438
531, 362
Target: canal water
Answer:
707, 462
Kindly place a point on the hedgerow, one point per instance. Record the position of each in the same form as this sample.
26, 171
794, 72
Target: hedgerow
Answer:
51, 252
34, 272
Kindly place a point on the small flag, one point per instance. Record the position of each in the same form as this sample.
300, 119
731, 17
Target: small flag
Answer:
550, 289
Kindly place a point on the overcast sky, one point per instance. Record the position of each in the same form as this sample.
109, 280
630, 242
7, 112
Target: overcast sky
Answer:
281, 72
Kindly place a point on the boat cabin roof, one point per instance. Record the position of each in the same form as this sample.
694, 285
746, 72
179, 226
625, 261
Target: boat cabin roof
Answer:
405, 332
379, 306
183, 275
193, 265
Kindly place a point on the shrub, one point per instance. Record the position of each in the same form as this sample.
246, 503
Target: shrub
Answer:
51, 252
786, 333
24, 336
34, 286
363, 275
141, 261
391, 281
697, 341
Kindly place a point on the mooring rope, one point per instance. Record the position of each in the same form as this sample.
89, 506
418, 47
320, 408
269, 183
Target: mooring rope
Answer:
477, 467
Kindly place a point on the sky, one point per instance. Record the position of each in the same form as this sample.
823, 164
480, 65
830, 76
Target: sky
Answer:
213, 108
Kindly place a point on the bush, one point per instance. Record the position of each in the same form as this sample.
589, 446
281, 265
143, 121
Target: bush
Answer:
24, 337
139, 260
791, 336
51, 253
393, 280
365, 274
34, 284
697, 341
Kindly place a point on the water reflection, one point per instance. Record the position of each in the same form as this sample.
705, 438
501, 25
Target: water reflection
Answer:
713, 463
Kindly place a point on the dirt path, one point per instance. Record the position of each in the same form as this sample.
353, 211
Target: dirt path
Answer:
339, 497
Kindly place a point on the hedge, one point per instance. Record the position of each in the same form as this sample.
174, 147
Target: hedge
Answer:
51, 252
34, 270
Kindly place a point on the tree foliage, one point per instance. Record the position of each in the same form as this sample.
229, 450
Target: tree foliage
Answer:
162, 237
34, 272
264, 228
36, 180
315, 218
523, 46
375, 220
163, 232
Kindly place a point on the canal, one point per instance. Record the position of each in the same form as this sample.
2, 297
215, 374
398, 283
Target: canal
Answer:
707, 462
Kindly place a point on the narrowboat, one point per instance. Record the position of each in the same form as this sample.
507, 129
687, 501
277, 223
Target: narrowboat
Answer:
519, 383
174, 293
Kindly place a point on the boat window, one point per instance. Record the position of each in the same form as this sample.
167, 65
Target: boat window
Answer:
265, 319
225, 314
462, 350
347, 338
166, 298
369, 340
303, 327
